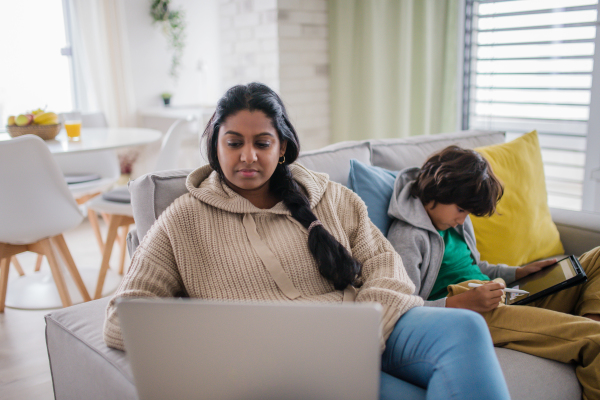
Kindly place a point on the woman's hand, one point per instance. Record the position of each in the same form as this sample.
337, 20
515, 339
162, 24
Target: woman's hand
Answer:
533, 267
481, 299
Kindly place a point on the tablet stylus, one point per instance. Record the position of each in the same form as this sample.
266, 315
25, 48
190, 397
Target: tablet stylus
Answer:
508, 290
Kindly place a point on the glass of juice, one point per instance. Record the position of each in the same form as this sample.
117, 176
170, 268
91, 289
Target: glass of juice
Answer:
73, 128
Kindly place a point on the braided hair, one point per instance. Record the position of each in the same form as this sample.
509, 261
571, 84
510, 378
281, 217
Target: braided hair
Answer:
334, 261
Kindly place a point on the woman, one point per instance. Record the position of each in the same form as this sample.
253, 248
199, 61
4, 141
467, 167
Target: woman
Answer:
256, 227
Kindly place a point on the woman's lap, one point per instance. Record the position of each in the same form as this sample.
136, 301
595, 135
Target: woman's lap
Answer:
392, 388
447, 351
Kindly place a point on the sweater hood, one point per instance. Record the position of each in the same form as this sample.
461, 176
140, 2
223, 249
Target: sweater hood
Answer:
205, 185
405, 207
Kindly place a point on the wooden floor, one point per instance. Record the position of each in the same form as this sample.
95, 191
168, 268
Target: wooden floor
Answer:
24, 368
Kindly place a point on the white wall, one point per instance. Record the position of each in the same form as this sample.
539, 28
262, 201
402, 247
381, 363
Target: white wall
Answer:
199, 82
284, 44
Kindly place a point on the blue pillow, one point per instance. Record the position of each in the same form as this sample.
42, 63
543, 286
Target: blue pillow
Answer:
375, 187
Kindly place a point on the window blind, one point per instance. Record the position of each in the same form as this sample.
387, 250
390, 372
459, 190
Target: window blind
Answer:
528, 65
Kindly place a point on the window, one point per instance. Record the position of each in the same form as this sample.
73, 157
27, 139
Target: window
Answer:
34, 72
529, 65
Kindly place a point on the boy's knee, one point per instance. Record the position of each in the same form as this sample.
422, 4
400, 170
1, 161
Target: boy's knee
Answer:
593, 253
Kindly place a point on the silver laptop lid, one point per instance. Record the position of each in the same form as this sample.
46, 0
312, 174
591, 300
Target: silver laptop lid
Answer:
194, 349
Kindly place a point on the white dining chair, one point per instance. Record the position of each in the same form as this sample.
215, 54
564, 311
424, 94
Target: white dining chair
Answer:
36, 207
115, 206
102, 168
103, 163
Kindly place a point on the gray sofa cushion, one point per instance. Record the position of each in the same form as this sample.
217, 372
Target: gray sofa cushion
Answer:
152, 193
530, 377
397, 154
133, 241
334, 160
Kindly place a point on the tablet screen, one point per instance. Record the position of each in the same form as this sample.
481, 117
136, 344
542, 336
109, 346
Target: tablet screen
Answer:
548, 277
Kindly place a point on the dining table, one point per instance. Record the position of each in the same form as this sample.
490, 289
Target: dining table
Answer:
36, 290
96, 139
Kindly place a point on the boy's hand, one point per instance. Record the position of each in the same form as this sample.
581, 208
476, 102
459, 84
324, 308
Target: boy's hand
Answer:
481, 299
533, 267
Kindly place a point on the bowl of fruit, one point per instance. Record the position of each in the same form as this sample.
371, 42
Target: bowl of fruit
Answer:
38, 122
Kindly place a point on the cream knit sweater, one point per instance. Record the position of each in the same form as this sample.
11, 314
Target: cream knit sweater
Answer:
211, 243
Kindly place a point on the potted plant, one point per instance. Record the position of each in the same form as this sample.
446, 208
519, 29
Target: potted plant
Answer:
166, 96
173, 25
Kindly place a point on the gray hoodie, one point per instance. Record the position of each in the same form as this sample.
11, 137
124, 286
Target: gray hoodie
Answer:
421, 247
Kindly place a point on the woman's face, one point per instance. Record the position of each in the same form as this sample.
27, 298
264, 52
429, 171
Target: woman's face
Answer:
248, 149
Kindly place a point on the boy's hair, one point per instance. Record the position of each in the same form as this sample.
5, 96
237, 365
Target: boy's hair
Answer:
459, 176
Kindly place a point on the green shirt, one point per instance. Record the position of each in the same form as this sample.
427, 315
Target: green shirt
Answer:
457, 265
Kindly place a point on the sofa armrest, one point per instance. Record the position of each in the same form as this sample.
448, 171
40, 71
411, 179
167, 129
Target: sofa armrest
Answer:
81, 364
579, 230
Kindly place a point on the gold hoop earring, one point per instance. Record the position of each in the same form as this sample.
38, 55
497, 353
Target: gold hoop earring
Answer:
282, 161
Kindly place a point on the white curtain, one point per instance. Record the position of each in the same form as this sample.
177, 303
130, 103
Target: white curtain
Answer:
394, 67
102, 67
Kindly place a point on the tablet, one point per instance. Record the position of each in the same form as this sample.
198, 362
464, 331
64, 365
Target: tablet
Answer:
566, 273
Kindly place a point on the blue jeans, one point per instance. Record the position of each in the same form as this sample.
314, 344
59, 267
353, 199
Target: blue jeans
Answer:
441, 353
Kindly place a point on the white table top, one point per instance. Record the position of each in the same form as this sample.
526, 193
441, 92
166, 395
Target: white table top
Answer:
94, 139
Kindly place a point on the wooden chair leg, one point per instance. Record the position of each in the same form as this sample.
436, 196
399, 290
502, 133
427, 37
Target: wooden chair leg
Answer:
115, 222
93, 218
123, 243
122, 238
4, 266
17, 265
106, 218
86, 198
63, 249
44, 247
38, 262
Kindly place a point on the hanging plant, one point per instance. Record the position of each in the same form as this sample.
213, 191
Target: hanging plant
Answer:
173, 25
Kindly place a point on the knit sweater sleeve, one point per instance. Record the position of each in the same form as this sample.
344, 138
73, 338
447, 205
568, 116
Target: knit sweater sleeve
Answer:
384, 279
153, 273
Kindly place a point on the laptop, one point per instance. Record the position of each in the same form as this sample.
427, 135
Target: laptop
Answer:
196, 349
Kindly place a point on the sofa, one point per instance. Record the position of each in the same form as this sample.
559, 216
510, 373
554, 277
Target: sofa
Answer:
83, 367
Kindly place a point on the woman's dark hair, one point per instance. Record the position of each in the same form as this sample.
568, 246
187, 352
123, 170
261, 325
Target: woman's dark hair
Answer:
334, 261
459, 176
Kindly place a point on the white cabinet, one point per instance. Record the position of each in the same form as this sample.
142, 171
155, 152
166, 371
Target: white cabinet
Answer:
162, 117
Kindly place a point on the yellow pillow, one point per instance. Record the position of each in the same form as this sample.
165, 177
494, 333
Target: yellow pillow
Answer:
522, 230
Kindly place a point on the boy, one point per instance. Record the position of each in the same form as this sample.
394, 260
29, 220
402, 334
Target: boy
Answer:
435, 238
